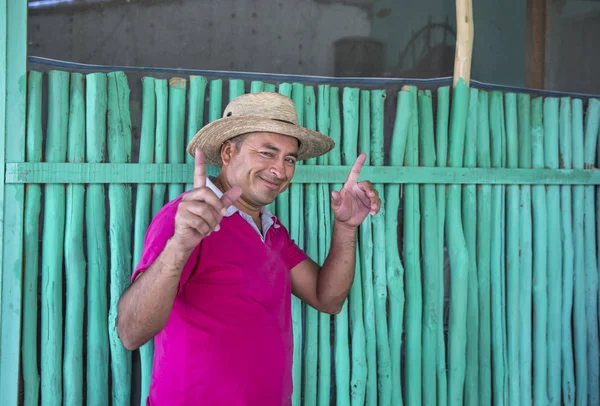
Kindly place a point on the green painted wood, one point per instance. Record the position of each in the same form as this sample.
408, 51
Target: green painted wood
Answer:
366, 248
119, 198
297, 216
13, 89
469, 218
282, 202
579, 299
323, 120
592, 121
566, 161
414, 298
53, 243
358, 383
215, 101
348, 149
551, 158
75, 263
526, 254
457, 252
340, 320
269, 87
324, 384
513, 227
195, 119
540, 248
29, 348
379, 259
497, 270
159, 190
431, 250
395, 268
236, 88
143, 202
335, 130
32, 172
442, 119
256, 86
311, 323
272, 207
484, 246
97, 393
3, 103
324, 370
176, 120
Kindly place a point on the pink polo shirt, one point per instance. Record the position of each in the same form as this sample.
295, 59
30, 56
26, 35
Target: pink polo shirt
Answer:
229, 337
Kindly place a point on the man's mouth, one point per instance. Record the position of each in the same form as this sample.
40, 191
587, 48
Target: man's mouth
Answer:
270, 184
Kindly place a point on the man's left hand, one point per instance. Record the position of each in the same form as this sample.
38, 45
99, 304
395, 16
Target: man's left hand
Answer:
355, 200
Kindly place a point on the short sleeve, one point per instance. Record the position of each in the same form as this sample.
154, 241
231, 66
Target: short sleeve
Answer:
160, 230
294, 254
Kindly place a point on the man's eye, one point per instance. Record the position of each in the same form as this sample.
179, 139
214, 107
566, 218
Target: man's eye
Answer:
291, 161
267, 154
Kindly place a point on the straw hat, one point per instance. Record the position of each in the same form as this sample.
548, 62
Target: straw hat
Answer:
258, 112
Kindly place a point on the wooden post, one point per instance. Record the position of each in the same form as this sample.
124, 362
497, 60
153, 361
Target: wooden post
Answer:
579, 290
464, 40
540, 260
143, 207
33, 193
430, 251
412, 258
13, 93
119, 199
536, 44
296, 212
53, 243
324, 210
97, 251
311, 219
395, 268
469, 218
379, 258
175, 145
75, 264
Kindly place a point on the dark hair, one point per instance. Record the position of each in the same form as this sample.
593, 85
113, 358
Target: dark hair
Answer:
238, 140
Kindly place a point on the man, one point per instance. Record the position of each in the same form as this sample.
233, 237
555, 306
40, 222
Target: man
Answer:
218, 269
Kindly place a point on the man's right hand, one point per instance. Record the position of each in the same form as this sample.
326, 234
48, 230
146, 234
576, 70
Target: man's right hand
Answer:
200, 211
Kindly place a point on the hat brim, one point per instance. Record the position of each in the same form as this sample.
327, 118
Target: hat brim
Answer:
211, 137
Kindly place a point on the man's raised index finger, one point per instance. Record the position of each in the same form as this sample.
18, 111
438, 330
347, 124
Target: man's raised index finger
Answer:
199, 169
356, 168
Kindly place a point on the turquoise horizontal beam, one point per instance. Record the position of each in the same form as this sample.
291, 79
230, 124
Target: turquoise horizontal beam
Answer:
31, 172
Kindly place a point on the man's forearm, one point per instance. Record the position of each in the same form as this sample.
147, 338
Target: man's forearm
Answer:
145, 306
337, 272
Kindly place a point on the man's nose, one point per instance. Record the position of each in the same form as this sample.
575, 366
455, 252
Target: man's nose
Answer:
278, 168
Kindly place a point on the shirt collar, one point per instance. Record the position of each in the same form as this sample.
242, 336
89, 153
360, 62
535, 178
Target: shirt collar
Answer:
231, 210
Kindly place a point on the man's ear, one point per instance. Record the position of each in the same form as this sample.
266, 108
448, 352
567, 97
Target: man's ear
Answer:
226, 152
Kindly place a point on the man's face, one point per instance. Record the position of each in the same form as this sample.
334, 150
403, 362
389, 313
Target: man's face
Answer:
262, 166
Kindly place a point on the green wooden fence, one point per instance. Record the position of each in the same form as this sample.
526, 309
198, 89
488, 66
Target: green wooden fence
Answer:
488, 217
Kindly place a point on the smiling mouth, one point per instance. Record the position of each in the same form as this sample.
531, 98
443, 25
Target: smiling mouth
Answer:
271, 185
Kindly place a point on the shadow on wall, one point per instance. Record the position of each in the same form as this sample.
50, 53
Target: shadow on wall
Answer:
429, 53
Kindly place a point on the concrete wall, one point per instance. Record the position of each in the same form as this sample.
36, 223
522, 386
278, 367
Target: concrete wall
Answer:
282, 36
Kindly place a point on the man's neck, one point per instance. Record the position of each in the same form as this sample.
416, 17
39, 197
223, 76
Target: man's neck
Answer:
241, 204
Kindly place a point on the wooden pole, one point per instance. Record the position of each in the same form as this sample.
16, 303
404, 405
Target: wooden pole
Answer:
75, 265
13, 95
536, 36
464, 40
143, 206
